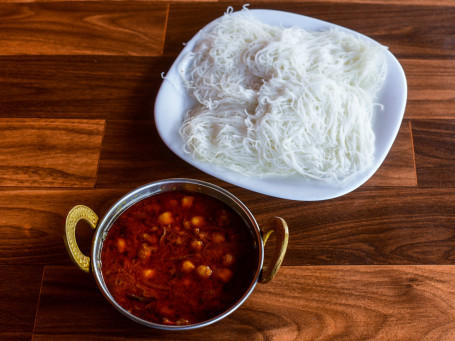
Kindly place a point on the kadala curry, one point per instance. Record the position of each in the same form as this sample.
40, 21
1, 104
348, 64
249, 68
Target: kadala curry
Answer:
178, 258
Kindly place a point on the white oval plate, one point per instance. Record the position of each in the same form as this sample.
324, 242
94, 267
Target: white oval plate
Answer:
173, 101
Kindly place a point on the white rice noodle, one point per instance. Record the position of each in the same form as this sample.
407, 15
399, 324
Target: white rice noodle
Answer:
282, 101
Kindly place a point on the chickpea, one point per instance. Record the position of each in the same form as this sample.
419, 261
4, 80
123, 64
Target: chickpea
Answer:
198, 221
166, 218
167, 321
187, 266
146, 251
224, 275
187, 201
182, 322
121, 245
218, 237
204, 271
227, 259
148, 273
197, 245
151, 239
178, 241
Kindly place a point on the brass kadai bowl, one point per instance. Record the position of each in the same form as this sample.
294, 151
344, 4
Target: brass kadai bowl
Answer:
93, 263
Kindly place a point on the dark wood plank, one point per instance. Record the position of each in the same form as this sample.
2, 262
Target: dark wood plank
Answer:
19, 292
125, 87
420, 32
49, 153
177, 34
301, 303
431, 88
434, 142
355, 303
368, 226
398, 169
32, 222
112, 87
444, 3
133, 154
83, 27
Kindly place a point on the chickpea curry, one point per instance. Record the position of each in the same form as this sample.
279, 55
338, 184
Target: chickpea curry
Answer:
178, 258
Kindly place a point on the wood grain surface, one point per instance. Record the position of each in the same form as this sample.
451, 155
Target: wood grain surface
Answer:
302, 303
102, 87
49, 153
422, 32
435, 156
19, 295
83, 27
33, 219
79, 81
132, 153
431, 88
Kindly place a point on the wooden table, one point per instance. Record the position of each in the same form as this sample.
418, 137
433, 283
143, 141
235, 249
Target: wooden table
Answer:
78, 83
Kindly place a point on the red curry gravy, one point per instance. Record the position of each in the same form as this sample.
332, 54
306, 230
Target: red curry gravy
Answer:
178, 258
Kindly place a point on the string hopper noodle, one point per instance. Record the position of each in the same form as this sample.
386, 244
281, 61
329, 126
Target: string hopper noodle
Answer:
280, 101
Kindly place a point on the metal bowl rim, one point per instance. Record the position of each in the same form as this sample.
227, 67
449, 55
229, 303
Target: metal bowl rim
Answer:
114, 210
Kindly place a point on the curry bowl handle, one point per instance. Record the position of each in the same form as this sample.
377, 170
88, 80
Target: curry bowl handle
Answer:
79, 212
282, 237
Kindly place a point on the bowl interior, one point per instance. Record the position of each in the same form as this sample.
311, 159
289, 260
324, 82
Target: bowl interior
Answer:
168, 185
